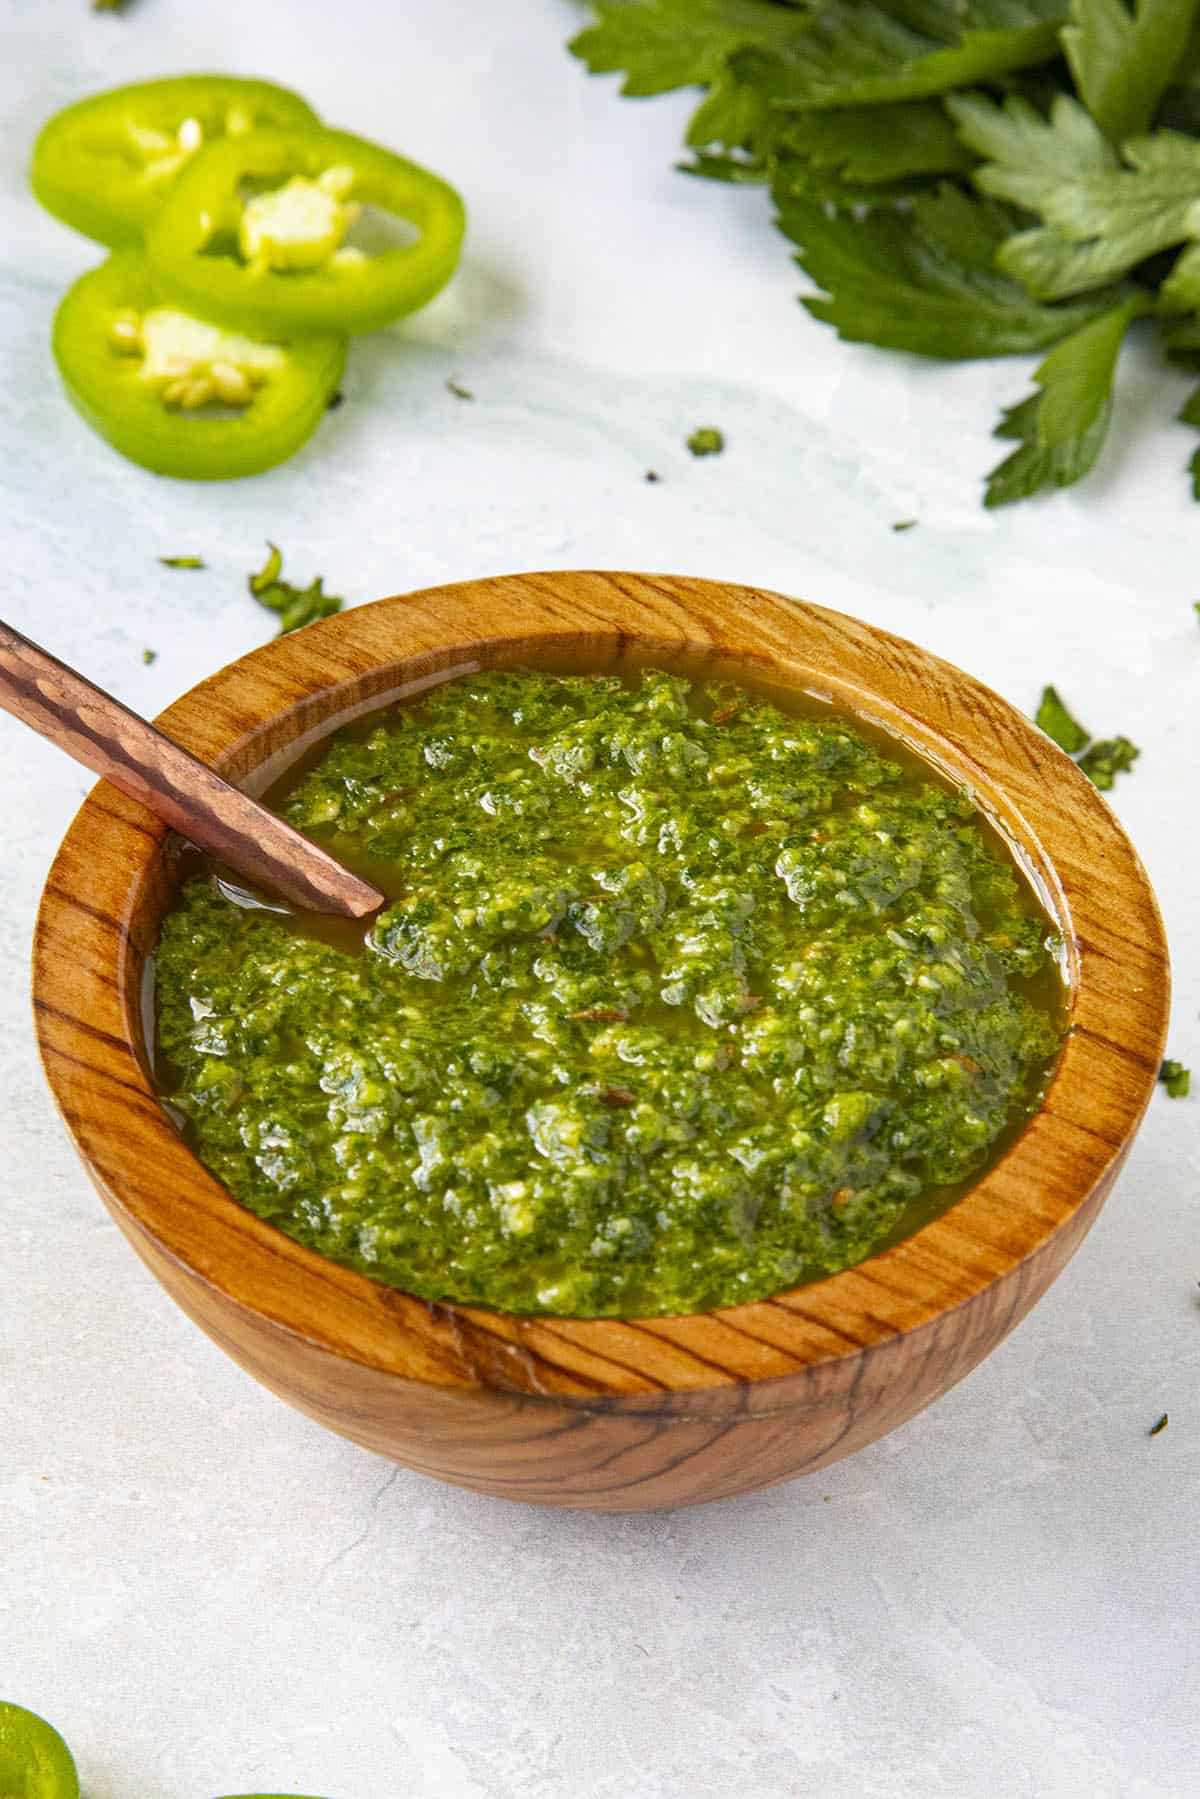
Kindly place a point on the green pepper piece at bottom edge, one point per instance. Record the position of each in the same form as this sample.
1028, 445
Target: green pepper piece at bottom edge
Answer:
178, 395
103, 164
274, 261
35, 1763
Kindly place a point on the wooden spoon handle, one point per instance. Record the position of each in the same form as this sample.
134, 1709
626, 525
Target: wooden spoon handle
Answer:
100, 732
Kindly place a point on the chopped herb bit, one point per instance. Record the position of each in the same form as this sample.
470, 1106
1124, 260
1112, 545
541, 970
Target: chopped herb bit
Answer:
296, 606
108, 5
336, 400
652, 475
182, 561
149, 656
1101, 761
270, 571
1176, 1079
1161, 1425
904, 524
1196, 605
456, 388
707, 441
1104, 761
1058, 724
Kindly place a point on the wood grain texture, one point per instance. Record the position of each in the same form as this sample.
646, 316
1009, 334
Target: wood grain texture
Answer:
146, 765
607, 1414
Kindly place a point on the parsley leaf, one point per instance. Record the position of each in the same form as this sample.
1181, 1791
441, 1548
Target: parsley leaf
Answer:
924, 279
1102, 762
1190, 412
663, 44
711, 166
857, 53
1043, 164
732, 113
1176, 1079
1101, 225
1122, 62
296, 606
1062, 429
1027, 154
842, 153
1054, 719
1182, 344
869, 145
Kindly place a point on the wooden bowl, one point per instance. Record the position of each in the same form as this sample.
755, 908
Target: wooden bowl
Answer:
601, 1413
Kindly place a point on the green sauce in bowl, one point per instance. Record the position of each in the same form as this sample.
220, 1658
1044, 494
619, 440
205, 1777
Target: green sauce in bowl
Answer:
681, 1000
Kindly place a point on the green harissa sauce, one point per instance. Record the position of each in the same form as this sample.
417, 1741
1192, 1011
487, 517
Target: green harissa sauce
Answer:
680, 1001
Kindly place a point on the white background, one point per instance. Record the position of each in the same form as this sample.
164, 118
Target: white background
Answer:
207, 1593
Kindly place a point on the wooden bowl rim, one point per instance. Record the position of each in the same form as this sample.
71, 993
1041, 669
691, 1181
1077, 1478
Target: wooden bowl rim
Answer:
87, 994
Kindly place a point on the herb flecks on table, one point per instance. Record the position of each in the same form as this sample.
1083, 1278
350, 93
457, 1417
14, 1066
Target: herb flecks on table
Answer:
1059, 724
1176, 1079
1159, 1426
961, 178
182, 561
295, 606
706, 441
1101, 761
683, 1001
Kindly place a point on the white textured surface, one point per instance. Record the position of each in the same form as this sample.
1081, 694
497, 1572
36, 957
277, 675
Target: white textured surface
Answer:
205, 1591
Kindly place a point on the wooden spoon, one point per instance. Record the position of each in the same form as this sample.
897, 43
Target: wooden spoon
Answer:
106, 736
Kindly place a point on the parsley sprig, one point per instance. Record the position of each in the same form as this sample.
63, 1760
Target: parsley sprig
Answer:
959, 178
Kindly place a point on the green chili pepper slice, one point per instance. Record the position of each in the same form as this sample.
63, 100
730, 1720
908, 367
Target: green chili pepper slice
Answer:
35, 1763
253, 233
104, 164
177, 394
